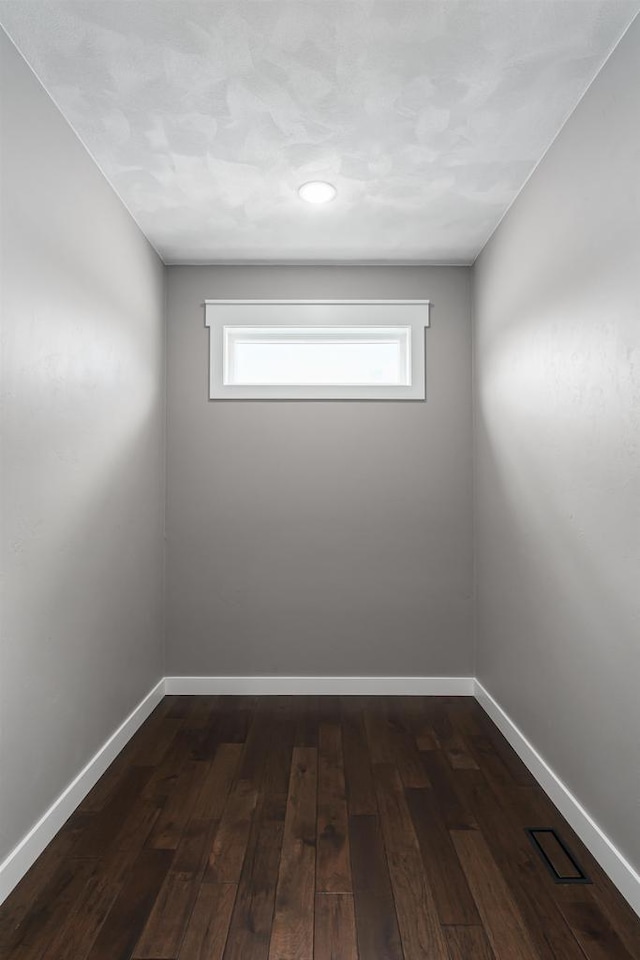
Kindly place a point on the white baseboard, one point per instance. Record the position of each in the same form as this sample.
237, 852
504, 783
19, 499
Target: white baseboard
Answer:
626, 879
14, 867
347, 686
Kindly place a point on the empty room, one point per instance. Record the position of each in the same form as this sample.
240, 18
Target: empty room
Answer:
320, 480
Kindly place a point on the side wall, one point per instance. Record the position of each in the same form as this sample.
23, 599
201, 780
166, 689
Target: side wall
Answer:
315, 538
557, 364
82, 419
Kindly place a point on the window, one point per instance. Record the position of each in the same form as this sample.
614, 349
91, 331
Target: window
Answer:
317, 356
311, 350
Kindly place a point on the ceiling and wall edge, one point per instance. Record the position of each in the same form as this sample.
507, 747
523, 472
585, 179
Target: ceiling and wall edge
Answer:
555, 137
81, 141
318, 263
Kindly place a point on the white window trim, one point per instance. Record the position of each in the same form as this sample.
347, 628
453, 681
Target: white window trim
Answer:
411, 314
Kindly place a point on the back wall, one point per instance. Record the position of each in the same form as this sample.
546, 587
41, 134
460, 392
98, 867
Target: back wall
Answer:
319, 538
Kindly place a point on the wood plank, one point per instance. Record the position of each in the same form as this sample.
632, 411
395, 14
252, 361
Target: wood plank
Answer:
262, 735
192, 854
178, 808
329, 709
79, 927
274, 782
137, 825
75, 933
406, 755
229, 722
361, 795
451, 742
106, 825
233, 719
292, 931
454, 810
501, 918
333, 869
305, 711
376, 921
617, 911
217, 782
123, 925
102, 792
425, 737
196, 728
590, 926
379, 735
250, 930
417, 915
199, 715
154, 741
232, 836
22, 898
208, 927
166, 925
56, 899
421, 725
494, 769
179, 706
165, 775
165, 928
445, 876
335, 927
468, 943
150, 740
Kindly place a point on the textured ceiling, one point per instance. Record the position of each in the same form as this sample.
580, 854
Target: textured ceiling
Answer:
206, 117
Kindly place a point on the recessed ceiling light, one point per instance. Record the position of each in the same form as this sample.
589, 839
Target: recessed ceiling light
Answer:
317, 191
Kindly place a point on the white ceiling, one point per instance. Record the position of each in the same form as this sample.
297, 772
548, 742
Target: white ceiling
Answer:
206, 117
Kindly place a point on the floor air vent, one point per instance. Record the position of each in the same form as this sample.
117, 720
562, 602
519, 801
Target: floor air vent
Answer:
556, 856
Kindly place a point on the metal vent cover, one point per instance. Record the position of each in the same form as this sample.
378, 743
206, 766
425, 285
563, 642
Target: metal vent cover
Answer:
556, 856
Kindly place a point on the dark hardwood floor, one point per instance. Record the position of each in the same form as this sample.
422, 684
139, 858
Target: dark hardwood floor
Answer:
286, 828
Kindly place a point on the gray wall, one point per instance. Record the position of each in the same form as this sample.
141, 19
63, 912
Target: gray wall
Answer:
82, 499
319, 538
558, 454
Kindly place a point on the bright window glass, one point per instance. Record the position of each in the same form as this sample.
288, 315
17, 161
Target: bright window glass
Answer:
317, 356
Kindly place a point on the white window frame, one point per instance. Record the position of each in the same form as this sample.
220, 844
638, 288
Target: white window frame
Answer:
224, 316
